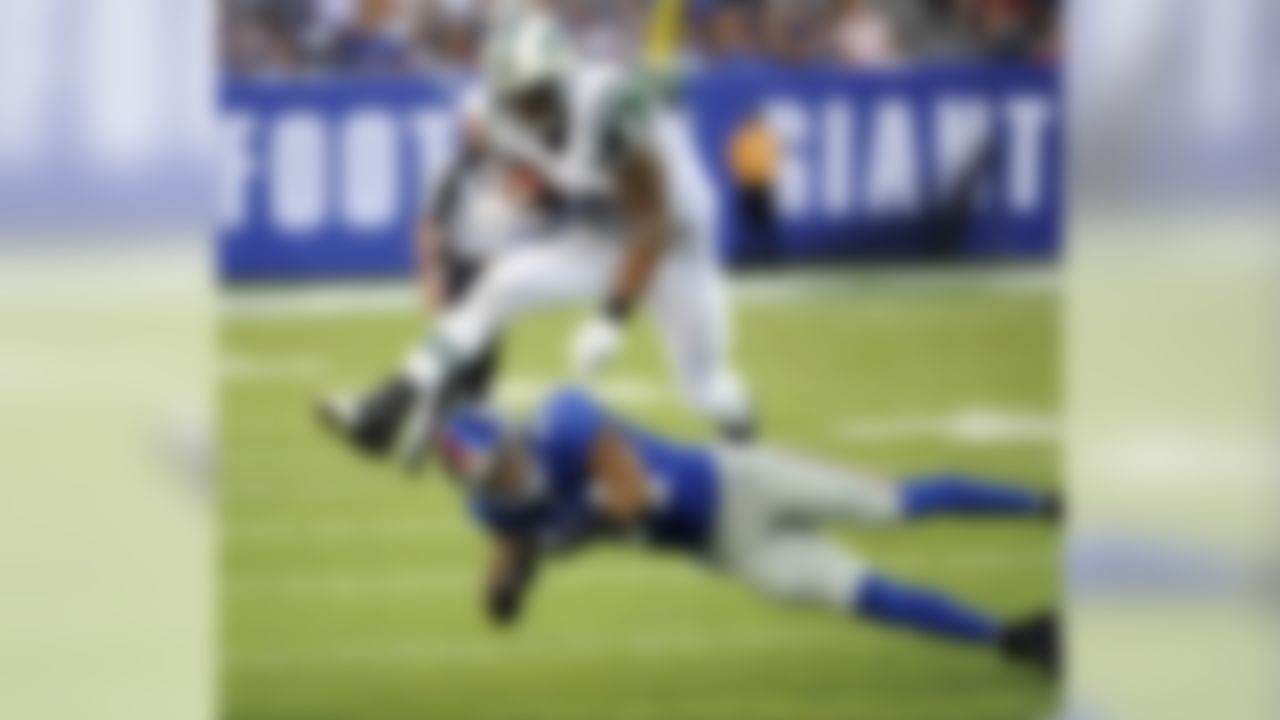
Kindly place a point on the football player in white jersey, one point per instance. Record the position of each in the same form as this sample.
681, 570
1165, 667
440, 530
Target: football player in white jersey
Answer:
635, 225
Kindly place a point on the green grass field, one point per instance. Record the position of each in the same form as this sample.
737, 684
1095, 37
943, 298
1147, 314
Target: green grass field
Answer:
351, 593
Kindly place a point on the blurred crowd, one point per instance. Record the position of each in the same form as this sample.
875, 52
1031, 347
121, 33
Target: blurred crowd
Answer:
443, 37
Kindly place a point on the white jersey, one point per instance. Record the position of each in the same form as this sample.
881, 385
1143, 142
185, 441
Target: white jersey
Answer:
489, 222
610, 115
486, 221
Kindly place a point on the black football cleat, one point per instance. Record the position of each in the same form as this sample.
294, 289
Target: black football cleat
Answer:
370, 424
1034, 641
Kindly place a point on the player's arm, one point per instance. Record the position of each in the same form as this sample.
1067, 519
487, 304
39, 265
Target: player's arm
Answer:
430, 252
622, 491
513, 567
640, 187
643, 197
639, 176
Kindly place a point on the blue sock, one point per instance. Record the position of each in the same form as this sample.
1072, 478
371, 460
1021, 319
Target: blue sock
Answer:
952, 494
925, 611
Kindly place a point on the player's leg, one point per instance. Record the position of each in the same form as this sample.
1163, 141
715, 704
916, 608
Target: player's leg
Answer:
801, 488
793, 488
372, 420
523, 281
807, 570
403, 409
691, 308
800, 566
955, 494
885, 601
475, 380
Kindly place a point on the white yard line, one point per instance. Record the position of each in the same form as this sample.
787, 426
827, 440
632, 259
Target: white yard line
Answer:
977, 425
329, 585
974, 425
446, 651
515, 391
317, 534
329, 300
376, 298
810, 285
763, 705
243, 367
414, 581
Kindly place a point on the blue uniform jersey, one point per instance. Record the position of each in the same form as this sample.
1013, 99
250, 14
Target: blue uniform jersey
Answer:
685, 479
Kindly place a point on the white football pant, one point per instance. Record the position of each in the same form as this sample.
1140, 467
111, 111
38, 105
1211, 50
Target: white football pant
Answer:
769, 530
688, 300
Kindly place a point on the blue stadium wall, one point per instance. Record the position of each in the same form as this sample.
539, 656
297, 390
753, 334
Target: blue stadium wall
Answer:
324, 178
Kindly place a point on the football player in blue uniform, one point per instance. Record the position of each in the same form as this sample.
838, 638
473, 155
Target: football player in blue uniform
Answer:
579, 475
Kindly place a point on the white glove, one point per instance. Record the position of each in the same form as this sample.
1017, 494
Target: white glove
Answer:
594, 346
